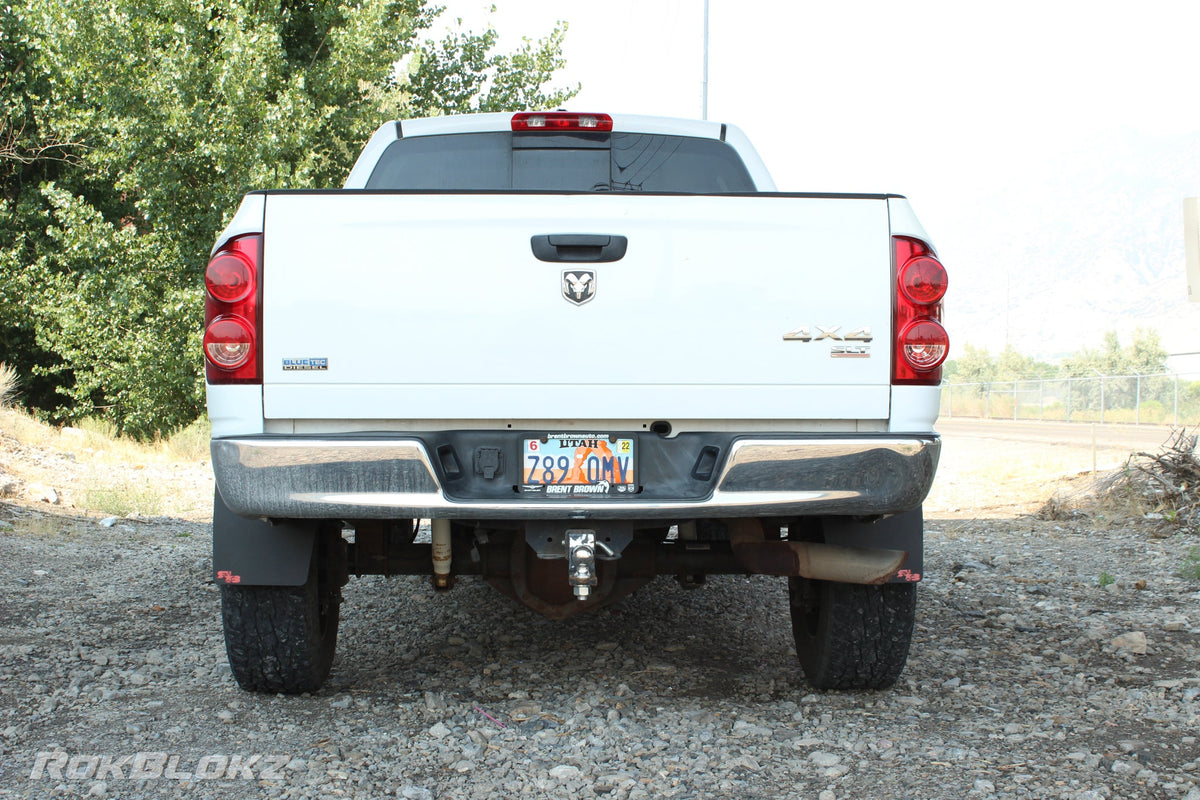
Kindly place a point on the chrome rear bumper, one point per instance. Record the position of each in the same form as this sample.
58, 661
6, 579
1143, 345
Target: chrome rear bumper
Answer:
384, 477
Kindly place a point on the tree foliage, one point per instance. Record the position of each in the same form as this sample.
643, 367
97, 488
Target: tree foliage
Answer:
1145, 355
132, 128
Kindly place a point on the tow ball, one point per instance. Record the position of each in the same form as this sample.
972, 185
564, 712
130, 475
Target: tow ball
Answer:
581, 561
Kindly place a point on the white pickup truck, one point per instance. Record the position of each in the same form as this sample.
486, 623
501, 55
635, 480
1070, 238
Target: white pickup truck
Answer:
590, 350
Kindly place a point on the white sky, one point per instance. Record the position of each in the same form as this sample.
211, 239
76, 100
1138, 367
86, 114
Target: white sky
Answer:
939, 101
845, 96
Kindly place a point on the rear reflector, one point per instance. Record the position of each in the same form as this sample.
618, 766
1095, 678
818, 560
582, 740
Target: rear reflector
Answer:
561, 121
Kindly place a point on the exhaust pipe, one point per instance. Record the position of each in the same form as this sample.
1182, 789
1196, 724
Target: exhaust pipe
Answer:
814, 560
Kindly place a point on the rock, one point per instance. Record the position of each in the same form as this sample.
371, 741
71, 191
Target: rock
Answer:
565, 772
745, 762
414, 793
1175, 623
439, 731
1134, 642
824, 759
525, 711
107, 522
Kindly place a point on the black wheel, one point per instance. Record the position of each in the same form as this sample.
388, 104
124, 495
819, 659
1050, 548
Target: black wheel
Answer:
850, 636
282, 638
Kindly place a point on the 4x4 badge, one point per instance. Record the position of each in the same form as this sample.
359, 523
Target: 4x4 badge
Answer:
805, 334
579, 285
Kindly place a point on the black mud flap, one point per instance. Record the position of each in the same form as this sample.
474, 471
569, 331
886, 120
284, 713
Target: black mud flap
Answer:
898, 532
255, 553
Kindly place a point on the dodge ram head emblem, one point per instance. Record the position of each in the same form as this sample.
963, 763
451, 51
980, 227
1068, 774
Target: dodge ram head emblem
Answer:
579, 285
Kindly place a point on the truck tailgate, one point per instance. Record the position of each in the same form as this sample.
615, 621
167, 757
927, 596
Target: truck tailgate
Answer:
433, 306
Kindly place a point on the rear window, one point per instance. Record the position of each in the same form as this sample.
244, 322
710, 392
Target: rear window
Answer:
587, 162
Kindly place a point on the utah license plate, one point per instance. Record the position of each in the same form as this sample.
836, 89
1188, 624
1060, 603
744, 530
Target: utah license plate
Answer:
577, 465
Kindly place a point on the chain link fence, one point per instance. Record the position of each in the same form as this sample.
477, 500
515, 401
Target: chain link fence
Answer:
1166, 399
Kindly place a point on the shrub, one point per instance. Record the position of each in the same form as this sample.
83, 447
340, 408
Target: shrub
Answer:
8, 385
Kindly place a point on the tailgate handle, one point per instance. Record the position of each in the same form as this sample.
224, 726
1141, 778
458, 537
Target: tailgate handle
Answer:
579, 247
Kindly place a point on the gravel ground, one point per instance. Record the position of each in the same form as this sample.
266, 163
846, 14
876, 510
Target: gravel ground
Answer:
1027, 678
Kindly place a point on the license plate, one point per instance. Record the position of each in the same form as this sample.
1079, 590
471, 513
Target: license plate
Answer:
578, 465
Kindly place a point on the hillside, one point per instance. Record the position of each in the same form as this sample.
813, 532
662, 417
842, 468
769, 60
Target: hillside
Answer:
1087, 241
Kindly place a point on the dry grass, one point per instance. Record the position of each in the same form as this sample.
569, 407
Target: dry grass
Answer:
1162, 486
43, 526
92, 470
8, 385
98, 440
121, 497
1001, 479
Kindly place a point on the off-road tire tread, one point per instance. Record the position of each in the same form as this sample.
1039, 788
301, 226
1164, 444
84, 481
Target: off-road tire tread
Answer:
274, 639
862, 637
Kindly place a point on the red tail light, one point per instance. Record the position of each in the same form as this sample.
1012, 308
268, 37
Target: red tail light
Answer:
561, 121
229, 277
921, 343
231, 312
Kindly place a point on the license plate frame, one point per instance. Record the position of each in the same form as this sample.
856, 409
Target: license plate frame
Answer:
579, 465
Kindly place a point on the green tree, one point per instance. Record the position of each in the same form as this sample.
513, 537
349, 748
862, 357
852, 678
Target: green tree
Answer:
155, 117
1145, 356
975, 365
32, 152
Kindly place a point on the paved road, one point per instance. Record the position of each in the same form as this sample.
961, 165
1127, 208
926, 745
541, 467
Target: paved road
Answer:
1107, 437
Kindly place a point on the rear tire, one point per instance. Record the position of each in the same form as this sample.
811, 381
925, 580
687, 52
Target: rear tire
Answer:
851, 636
282, 638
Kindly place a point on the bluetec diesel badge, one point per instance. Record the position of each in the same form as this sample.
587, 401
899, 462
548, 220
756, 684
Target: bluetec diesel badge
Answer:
308, 364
